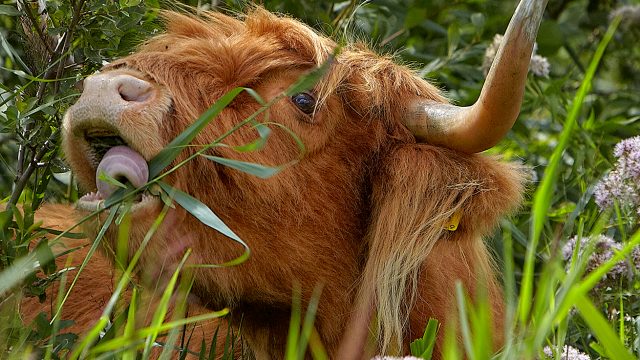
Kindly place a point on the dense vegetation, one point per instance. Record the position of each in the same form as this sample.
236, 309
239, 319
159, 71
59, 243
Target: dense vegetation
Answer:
569, 257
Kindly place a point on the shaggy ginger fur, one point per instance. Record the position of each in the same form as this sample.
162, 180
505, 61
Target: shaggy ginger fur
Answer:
361, 213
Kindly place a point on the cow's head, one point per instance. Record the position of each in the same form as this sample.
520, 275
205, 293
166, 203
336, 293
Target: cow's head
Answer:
387, 164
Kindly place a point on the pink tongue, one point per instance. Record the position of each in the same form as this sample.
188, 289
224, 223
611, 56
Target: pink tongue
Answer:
122, 164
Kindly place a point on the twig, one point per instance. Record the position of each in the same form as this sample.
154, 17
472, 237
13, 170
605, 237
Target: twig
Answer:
67, 39
33, 165
36, 25
54, 72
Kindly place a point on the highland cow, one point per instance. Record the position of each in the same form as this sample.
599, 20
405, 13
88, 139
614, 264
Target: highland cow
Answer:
388, 165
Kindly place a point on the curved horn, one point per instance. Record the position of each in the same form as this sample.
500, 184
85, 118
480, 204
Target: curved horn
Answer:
480, 126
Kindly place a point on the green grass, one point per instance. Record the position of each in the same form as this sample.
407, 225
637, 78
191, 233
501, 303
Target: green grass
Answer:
568, 126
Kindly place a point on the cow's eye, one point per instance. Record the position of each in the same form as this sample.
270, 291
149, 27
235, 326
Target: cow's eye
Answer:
305, 102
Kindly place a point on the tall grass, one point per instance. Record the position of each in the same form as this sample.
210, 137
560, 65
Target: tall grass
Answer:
551, 301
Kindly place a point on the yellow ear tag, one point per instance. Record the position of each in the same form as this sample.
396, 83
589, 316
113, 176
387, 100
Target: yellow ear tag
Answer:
452, 224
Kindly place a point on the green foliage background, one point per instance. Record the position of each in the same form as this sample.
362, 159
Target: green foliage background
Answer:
445, 41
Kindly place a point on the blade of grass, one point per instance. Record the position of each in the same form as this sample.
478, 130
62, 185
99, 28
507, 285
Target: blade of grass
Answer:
186, 283
594, 277
18, 271
318, 351
12, 53
309, 318
509, 287
163, 306
227, 351
481, 324
130, 327
120, 342
621, 321
92, 250
56, 324
423, 347
544, 192
572, 289
127, 274
601, 329
89, 338
451, 346
464, 321
171, 151
294, 324
214, 345
259, 143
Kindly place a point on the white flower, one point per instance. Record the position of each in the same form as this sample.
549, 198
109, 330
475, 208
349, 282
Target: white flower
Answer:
568, 353
621, 183
539, 65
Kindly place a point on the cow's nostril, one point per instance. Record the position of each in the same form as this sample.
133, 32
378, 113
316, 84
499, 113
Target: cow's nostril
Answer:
134, 89
115, 89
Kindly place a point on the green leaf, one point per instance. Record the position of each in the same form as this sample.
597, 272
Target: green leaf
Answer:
42, 325
423, 347
129, 3
68, 235
9, 10
294, 324
307, 324
45, 257
14, 274
258, 170
110, 180
478, 20
117, 196
259, 143
453, 37
207, 217
90, 337
129, 328
171, 151
415, 17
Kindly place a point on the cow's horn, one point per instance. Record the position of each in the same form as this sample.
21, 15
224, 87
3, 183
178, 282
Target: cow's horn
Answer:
480, 126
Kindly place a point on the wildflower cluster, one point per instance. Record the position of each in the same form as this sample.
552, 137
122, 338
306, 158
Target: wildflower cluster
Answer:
621, 185
539, 65
568, 353
604, 248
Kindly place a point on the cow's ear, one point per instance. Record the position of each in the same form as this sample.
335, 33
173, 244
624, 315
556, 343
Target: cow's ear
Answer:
424, 197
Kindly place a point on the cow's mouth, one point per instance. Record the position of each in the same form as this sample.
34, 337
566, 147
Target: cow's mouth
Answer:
116, 164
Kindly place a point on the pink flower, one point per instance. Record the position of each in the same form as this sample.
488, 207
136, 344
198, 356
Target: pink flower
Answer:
621, 184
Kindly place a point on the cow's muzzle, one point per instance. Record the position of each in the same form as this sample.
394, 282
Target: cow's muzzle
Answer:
113, 130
